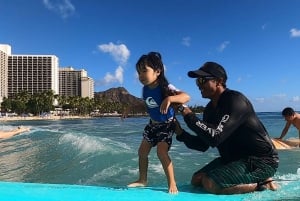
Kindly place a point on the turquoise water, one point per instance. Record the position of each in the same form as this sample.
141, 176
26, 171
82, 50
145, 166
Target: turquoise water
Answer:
103, 152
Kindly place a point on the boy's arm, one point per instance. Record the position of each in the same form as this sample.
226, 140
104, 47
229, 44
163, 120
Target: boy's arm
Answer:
180, 97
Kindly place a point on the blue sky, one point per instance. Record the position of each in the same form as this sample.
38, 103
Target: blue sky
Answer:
257, 41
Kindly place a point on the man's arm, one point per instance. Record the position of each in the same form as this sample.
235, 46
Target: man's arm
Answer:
236, 112
192, 141
285, 130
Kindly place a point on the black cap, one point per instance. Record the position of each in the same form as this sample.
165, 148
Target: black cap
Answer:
209, 69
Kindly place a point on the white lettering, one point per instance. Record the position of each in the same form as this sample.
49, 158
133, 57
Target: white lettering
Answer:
212, 131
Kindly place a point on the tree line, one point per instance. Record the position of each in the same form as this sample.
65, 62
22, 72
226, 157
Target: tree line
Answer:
46, 101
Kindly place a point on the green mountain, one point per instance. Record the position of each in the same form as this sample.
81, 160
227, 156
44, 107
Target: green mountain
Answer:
122, 96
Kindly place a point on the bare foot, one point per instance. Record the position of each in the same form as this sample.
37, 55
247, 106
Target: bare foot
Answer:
272, 186
269, 184
137, 184
173, 189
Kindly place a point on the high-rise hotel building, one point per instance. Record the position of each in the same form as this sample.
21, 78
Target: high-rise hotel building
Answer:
5, 50
37, 73
87, 87
75, 83
31, 73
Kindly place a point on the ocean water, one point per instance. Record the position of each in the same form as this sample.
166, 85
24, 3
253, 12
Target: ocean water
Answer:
103, 152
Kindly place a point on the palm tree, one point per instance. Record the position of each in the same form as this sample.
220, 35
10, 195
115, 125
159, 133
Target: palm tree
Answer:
6, 104
47, 98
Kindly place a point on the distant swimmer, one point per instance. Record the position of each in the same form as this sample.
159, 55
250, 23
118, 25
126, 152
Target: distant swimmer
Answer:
292, 118
8, 134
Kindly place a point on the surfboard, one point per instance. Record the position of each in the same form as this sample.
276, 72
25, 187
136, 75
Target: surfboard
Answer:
16, 191
286, 144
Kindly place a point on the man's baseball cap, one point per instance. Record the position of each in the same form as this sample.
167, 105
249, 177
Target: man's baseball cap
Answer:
208, 69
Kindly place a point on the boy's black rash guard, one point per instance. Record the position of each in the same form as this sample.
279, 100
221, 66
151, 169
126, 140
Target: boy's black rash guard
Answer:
233, 127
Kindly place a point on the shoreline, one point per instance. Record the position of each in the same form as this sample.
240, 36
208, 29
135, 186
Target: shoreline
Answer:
52, 117
66, 117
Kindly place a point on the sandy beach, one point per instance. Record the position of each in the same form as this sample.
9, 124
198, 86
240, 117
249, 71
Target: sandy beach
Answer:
51, 117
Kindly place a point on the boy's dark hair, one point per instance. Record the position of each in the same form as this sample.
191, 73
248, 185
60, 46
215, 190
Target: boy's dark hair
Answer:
154, 60
288, 111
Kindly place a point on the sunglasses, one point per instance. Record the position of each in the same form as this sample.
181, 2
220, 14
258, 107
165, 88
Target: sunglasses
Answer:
203, 80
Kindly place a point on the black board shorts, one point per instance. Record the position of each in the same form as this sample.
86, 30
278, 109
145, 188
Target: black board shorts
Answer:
159, 132
244, 171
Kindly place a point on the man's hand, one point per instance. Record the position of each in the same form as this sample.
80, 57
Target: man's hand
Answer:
178, 129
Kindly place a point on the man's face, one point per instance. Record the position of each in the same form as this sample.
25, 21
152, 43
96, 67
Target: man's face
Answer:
207, 86
289, 118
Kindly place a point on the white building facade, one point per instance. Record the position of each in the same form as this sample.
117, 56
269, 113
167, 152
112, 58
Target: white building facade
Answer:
38, 73
32, 73
5, 51
75, 83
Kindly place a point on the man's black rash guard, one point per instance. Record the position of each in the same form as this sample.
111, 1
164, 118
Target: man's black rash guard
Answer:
233, 127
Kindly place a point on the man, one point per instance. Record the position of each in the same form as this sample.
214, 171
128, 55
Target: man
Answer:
248, 158
292, 118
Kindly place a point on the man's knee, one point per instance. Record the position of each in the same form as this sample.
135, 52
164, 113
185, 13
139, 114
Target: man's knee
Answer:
197, 179
209, 185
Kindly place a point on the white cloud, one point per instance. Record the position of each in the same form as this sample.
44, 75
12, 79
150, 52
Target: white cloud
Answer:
296, 99
280, 95
120, 53
117, 77
260, 100
63, 7
295, 32
222, 47
186, 41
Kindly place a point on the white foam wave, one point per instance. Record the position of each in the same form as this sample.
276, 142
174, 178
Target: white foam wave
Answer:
92, 144
105, 174
157, 168
289, 177
7, 128
134, 171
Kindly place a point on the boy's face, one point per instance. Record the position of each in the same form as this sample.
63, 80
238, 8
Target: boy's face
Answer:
148, 76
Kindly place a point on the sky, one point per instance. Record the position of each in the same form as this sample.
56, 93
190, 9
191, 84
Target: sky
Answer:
256, 41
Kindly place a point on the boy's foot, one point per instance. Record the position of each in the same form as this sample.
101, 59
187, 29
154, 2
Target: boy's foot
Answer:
173, 190
137, 184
